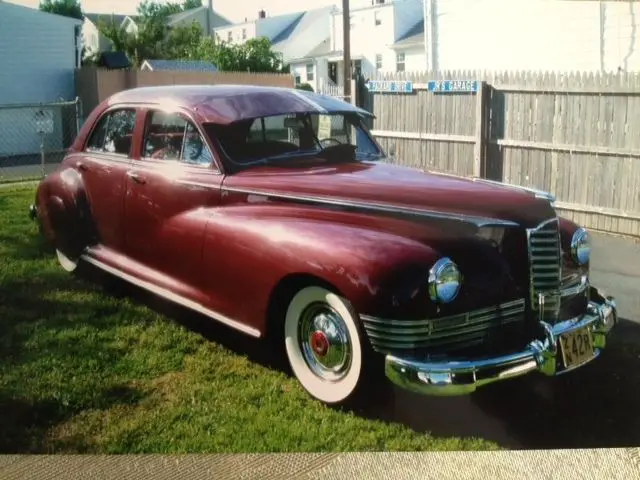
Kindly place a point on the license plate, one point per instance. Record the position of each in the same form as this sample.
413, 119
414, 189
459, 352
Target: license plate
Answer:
577, 347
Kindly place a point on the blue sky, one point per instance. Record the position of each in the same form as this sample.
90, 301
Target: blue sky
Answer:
234, 10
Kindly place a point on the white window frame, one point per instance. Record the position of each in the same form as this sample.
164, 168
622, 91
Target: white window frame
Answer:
400, 60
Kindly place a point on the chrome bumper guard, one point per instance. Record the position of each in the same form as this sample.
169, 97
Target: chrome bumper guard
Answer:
453, 377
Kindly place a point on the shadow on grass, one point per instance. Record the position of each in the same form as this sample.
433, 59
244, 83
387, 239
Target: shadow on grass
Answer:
592, 407
24, 423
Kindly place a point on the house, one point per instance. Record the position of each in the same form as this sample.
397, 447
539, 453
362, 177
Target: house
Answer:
299, 38
40, 52
93, 41
178, 65
386, 36
200, 16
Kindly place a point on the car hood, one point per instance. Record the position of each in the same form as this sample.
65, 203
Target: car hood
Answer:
383, 186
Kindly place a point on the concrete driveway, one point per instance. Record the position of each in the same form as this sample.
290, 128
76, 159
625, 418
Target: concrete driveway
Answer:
616, 269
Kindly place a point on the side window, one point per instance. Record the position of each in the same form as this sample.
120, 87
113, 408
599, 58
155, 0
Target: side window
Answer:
113, 133
169, 136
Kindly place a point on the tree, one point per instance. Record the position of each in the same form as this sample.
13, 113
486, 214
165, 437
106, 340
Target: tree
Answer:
154, 39
67, 8
255, 55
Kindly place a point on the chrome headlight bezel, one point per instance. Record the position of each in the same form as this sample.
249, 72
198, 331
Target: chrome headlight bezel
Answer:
581, 246
445, 281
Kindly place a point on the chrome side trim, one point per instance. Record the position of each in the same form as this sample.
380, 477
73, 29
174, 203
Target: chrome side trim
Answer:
171, 296
377, 207
464, 376
536, 192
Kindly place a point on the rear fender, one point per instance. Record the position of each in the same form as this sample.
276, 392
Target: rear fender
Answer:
64, 212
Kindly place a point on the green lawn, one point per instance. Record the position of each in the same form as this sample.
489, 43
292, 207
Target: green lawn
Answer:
82, 371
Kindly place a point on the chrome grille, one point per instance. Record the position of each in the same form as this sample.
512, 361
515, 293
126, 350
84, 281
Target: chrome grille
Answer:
452, 333
545, 268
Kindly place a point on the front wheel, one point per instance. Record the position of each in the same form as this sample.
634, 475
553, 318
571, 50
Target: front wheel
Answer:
324, 345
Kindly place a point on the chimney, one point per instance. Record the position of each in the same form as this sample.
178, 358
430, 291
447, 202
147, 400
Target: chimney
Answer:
262, 14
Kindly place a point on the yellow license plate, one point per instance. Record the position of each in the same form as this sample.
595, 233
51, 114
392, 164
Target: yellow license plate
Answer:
577, 347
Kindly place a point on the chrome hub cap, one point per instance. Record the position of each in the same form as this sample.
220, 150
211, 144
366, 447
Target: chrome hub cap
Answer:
324, 342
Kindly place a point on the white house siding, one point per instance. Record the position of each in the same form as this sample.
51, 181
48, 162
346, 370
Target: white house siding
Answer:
537, 35
621, 36
414, 59
38, 57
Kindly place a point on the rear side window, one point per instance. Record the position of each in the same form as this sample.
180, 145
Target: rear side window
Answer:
170, 136
113, 133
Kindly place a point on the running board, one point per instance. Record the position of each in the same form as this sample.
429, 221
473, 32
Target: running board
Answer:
172, 297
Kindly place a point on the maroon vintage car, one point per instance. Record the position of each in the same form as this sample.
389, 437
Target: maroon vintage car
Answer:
276, 213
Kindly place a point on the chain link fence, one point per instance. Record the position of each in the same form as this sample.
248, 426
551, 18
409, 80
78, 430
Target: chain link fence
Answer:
35, 137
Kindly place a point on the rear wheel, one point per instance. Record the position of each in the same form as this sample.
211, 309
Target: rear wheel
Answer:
325, 347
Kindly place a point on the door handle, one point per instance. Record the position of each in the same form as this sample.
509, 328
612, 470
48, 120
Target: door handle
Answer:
82, 166
136, 178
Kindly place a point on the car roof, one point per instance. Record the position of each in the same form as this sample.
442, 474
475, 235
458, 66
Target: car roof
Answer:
224, 104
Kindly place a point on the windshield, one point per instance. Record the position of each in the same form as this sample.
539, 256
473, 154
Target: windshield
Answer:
283, 139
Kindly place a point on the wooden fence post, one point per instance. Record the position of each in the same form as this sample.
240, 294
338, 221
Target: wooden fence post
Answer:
483, 116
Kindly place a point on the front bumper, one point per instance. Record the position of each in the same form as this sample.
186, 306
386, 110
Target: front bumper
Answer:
460, 377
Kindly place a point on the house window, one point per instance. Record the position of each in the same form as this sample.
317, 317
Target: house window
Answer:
377, 19
378, 61
229, 36
297, 79
377, 2
400, 62
244, 34
309, 71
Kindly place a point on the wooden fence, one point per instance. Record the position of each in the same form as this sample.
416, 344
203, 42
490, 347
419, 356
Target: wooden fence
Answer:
575, 135
95, 84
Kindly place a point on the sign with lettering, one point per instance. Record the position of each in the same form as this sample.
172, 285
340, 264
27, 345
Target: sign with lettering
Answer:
390, 86
44, 121
324, 126
453, 86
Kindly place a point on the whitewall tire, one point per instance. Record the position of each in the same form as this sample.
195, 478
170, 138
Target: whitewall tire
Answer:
324, 345
68, 264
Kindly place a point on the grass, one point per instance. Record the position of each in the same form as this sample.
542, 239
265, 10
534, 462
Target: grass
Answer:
83, 371
12, 180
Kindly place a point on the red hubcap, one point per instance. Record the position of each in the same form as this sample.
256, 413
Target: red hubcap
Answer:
319, 343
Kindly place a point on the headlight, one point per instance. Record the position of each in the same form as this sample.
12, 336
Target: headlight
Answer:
444, 281
581, 246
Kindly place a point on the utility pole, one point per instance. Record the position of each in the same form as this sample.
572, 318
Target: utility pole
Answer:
346, 50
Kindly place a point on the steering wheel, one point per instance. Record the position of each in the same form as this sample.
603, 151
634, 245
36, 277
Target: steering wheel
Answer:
330, 141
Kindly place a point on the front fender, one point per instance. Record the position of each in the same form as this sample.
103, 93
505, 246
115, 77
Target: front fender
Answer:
249, 249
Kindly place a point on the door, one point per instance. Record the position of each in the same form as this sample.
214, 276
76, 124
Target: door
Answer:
166, 188
103, 165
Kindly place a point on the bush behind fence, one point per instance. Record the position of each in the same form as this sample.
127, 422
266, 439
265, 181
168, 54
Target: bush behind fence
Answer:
576, 135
